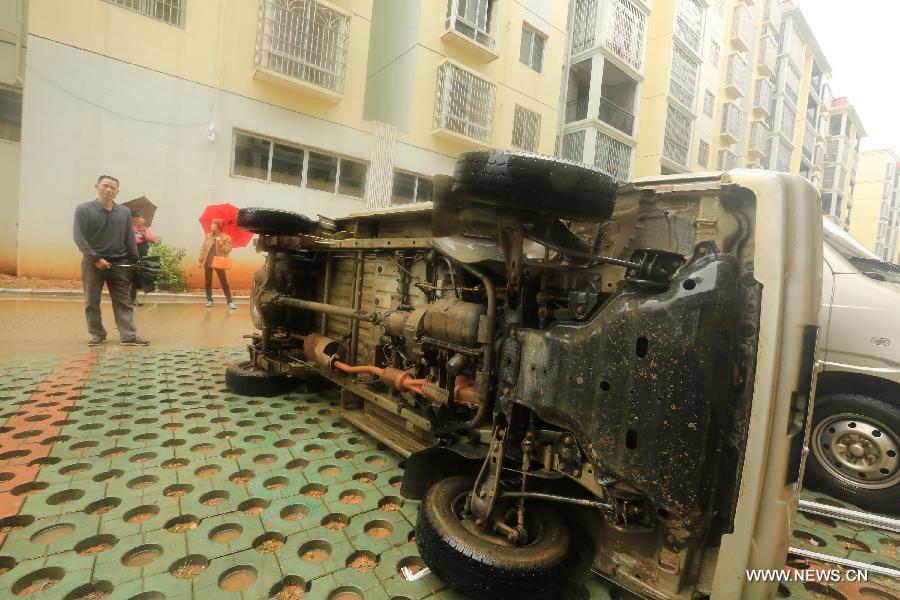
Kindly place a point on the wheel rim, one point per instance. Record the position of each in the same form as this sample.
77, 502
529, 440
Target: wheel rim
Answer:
858, 450
535, 528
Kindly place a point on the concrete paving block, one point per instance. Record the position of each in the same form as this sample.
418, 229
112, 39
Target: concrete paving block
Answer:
223, 535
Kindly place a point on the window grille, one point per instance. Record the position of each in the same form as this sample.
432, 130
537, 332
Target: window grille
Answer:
584, 25
526, 129
768, 53
727, 160
741, 23
759, 134
464, 103
709, 103
473, 19
792, 78
627, 32
677, 139
167, 11
832, 150
531, 49
788, 121
738, 72
809, 143
703, 154
715, 50
689, 22
762, 99
772, 13
612, 156
304, 40
683, 81
731, 120
573, 145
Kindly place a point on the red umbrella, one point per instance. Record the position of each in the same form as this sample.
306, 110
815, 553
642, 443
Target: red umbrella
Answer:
227, 213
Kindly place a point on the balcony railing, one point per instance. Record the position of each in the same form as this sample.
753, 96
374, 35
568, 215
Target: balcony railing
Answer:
731, 122
772, 14
737, 75
303, 40
612, 156
742, 27
768, 55
464, 103
576, 110
615, 115
762, 99
626, 32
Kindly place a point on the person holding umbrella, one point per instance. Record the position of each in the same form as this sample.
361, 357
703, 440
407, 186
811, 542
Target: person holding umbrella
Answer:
214, 256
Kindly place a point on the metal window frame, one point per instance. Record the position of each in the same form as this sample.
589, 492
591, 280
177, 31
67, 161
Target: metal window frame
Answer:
684, 76
689, 19
150, 8
534, 33
709, 103
626, 32
680, 142
584, 26
703, 154
450, 73
525, 122
571, 141
612, 156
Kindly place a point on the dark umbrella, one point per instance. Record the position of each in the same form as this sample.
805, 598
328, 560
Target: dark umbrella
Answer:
227, 213
143, 206
147, 270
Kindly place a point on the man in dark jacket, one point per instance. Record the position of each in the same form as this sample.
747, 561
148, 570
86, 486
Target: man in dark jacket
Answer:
104, 236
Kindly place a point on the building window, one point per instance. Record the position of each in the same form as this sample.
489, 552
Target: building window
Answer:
714, 51
473, 19
626, 32
266, 159
573, 145
835, 127
677, 139
10, 114
167, 11
689, 22
684, 77
526, 129
304, 40
612, 156
531, 50
788, 121
408, 188
584, 25
703, 154
709, 103
464, 103
727, 160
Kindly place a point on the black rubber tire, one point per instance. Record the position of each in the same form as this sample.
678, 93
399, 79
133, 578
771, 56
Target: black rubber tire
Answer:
272, 221
244, 379
536, 183
479, 568
818, 477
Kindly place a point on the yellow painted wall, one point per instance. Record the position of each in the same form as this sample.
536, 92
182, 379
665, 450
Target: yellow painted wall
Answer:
651, 124
869, 195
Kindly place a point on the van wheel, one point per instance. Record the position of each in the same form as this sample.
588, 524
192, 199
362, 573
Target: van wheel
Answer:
536, 183
482, 564
244, 379
272, 221
856, 451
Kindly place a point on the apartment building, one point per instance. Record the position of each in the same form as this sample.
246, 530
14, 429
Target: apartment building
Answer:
13, 15
845, 131
319, 106
876, 203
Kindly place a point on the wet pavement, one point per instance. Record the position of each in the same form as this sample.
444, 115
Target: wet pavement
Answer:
134, 474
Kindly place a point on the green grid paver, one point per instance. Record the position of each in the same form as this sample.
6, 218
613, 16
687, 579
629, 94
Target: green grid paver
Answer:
166, 417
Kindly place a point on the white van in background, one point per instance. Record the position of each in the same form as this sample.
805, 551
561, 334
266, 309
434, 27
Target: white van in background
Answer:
855, 441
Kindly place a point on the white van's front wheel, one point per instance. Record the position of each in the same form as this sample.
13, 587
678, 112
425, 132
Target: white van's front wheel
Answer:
856, 451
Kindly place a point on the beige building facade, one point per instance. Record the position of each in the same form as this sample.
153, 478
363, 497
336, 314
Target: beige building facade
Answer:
876, 203
13, 28
322, 107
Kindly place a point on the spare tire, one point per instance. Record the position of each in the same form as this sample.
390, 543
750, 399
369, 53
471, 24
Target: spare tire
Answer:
536, 183
272, 221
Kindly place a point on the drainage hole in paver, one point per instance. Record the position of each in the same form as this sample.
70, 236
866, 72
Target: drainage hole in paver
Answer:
329, 471
65, 497
119, 432
315, 551
142, 555
254, 439
852, 544
214, 498
172, 426
246, 423
7, 564
284, 443
378, 529
352, 496
146, 437
45, 461
823, 591
375, 460
56, 439
144, 481
298, 464
276, 483
253, 506
108, 475
175, 463
102, 506
178, 490
114, 452
313, 421
32, 487
87, 445
237, 578
363, 561
313, 449
96, 544
269, 543
182, 524
95, 590
396, 481
141, 513
294, 512
328, 435
264, 459
205, 448
233, 452
820, 520
390, 503
410, 566
809, 538
344, 455
289, 588
225, 533
54, 533
355, 441
313, 490
208, 471
189, 567
346, 592
299, 431
75, 469
335, 521
143, 457
365, 477
241, 477
174, 443
38, 581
